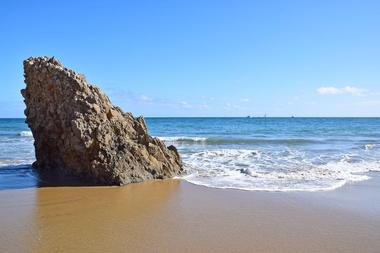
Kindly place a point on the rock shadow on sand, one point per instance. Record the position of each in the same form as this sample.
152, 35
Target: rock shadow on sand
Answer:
23, 176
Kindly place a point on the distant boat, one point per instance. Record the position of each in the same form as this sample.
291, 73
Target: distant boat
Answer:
248, 117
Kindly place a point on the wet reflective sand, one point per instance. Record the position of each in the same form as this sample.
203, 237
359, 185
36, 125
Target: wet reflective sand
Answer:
175, 216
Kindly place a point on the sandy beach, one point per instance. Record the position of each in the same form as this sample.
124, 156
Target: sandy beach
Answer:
176, 216
190, 126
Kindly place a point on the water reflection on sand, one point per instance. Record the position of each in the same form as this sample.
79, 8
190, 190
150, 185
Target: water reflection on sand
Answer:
78, 219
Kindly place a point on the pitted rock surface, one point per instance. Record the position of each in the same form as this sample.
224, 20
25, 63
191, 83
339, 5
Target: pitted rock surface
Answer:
78, 132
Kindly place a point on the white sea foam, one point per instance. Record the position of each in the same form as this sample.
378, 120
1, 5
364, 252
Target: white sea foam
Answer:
369, 146
25, 134
16, 162
286, 170
236, 140
182, 139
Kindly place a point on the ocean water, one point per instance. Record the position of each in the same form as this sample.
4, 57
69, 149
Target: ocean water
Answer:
271, 154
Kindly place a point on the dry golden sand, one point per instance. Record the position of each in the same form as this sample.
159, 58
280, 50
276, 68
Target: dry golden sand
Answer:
175, 216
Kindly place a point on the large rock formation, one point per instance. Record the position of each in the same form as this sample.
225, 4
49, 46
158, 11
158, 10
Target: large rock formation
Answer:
78, 131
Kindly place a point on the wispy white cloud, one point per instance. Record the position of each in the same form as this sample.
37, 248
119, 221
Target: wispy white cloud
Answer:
144, 98
328, 90
331, 90
185, 104
127, 98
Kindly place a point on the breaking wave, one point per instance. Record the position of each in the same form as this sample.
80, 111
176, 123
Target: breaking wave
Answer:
225, 140
25, 134
287, 170
369, 146
182, 139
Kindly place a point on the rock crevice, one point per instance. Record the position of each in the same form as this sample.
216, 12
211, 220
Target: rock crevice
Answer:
78, 132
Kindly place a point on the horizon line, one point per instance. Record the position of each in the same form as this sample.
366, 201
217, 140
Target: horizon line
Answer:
244, 117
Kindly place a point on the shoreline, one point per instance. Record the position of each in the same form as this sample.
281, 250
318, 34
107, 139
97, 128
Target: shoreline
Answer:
174, 215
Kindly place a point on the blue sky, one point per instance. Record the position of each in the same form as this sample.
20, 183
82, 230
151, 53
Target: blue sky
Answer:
204, 58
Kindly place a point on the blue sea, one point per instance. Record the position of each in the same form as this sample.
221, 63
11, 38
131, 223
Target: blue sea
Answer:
270, 154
